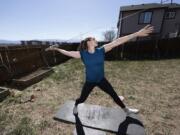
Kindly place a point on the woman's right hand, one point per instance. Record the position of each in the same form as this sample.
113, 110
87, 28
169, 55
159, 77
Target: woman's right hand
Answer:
50, 49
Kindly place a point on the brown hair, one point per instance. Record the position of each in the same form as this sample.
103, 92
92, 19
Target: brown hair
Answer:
83, 44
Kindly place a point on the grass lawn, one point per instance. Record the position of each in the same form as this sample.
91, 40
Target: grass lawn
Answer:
151, 86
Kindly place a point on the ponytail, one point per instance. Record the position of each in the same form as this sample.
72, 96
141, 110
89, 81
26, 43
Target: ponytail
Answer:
83, 44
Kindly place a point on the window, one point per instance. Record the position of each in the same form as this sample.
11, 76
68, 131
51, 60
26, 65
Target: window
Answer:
170, 15
145, 17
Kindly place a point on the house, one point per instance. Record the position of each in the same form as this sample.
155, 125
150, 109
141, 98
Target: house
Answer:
164, 17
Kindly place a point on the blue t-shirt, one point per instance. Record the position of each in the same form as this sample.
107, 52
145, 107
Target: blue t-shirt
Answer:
94, 64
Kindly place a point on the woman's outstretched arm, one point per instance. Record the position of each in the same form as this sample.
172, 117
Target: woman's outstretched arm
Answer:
74, 54
119, 41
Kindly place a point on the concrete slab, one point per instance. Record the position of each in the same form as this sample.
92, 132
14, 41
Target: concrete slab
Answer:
102, 118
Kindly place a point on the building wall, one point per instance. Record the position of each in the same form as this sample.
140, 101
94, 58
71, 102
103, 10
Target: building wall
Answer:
169, 26
157, 19
130, 24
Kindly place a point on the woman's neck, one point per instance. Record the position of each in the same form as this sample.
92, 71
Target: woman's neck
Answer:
91, 49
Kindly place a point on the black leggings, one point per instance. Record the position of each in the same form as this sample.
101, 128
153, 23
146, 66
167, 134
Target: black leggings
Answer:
105, 86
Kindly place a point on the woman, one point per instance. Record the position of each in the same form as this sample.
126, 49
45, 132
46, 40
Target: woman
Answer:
93, 59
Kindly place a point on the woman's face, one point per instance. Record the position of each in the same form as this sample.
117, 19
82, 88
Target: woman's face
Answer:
92, 42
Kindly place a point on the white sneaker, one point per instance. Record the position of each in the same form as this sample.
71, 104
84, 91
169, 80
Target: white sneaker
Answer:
75, 110
130, 110
121, 97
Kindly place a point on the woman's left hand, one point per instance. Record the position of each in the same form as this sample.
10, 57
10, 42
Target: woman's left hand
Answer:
145, 31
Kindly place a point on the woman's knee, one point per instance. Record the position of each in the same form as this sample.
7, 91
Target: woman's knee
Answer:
80, 100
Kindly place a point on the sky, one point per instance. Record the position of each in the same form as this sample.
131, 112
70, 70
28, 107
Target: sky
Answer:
60, 19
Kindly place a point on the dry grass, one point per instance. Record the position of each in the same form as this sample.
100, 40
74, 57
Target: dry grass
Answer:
151, 86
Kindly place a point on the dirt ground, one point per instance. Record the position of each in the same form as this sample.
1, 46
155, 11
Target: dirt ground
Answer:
151, 86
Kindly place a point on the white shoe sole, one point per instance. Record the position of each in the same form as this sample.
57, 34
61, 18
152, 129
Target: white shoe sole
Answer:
133, 110
121, 97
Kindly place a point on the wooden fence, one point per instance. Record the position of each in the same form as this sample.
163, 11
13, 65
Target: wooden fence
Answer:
149, 49
19, 60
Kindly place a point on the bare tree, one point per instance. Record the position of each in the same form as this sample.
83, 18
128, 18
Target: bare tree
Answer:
109, 35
